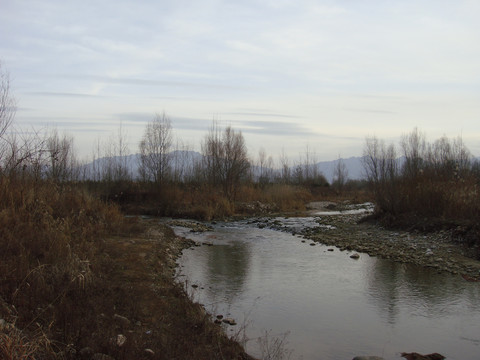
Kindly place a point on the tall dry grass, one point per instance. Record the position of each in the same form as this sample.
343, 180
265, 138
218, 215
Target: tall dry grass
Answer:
49, 237
280, 197
206, 202
427, 198
433, 186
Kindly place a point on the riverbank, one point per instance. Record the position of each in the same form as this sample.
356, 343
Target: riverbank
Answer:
132, 308
155, 314
348, 232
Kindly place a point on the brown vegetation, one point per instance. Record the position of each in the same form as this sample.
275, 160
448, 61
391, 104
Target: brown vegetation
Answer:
76, 275
51, 240
433, 187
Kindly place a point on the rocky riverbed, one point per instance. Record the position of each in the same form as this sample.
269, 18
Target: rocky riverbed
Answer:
340, 226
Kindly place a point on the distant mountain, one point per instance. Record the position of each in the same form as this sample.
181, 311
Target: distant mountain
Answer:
354, 166
187, 159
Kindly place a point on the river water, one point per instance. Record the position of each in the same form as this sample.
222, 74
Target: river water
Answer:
324, 305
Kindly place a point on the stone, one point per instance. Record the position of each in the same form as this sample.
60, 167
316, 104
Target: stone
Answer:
121, 319
121, 339
417, 356
355, 256
229, 321
149, 352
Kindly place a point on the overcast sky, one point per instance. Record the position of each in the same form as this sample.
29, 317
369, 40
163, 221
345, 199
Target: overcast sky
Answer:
289, 74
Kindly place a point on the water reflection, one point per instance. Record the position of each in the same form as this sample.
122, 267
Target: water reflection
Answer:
383, 287
394, 285
227, 269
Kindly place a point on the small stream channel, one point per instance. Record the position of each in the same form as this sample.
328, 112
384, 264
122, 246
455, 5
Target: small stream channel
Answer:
323, 303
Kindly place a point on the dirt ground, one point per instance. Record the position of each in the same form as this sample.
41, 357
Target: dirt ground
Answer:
148, 315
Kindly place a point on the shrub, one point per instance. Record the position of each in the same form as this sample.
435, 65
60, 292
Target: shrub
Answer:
50, 235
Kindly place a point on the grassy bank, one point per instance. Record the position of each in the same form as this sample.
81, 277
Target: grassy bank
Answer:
78, 278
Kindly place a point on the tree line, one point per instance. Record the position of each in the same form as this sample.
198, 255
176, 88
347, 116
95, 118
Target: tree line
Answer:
425, 185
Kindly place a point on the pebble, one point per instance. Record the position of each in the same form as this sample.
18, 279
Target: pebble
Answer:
149, 352
121, 319
121, 339
229, 321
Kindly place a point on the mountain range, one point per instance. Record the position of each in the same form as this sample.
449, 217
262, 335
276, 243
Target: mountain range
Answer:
353, 165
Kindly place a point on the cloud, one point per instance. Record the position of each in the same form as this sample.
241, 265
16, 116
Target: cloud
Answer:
153, 82
255, 114
135, 117
371, 111
273, 128
62, 94
178, 123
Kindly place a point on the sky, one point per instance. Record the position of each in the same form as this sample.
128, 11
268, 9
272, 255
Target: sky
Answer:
291, 75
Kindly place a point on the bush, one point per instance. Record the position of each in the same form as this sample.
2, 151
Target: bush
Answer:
433, 186
50, 235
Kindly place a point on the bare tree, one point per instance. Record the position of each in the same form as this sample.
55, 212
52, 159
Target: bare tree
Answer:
7, 110
381, 170
225, 158
414, 148
265, 165
309, 169
284, 167
340, 174
310, 173
155, 147
183, 162
372, 153
212, 150
115, 165
25, 154
62, 161
461, 155
262, 160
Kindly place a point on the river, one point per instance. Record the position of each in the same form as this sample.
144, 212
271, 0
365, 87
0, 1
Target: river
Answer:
315, 302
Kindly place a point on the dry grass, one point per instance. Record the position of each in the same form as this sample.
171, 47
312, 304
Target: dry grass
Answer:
430, 203
70, 263
205, 202
50, 237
